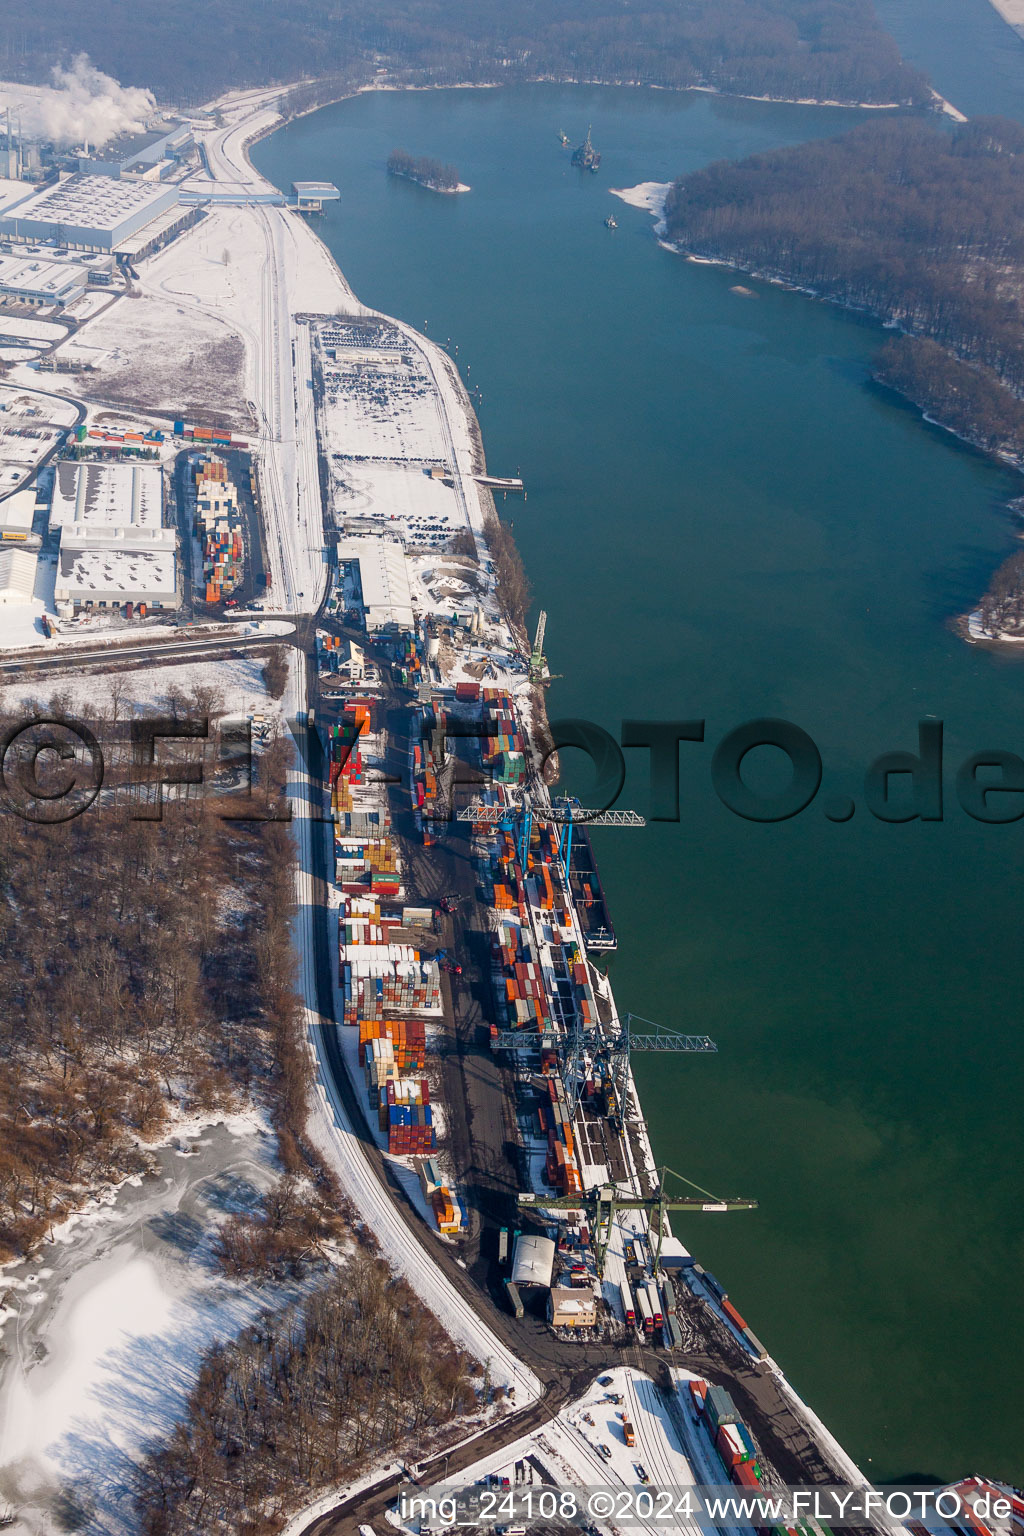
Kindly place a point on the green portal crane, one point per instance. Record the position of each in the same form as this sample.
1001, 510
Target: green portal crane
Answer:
601, 1203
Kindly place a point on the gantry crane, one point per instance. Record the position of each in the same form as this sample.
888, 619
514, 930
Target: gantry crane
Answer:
611, 1048
602, 1201
520, 816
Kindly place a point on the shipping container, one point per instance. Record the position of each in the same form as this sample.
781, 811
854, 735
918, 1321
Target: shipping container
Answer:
719, 1408
732, 1314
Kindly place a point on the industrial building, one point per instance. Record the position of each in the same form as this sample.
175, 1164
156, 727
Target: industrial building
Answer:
114, 549
16, 515
107, 495
152, 154
310, 196
572, 1307
87, 213
533, 1261
38, 283
17, 575
110, 567
386, 598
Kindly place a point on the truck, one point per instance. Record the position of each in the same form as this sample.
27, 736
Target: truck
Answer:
654, 1301
628, 1432
503, 1246
628, 1310
646, 1318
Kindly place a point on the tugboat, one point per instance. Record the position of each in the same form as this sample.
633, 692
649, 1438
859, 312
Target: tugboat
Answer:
611, 222
585, 156
564, 137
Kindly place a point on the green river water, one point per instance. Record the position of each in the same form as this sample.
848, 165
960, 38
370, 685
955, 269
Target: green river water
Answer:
726, 520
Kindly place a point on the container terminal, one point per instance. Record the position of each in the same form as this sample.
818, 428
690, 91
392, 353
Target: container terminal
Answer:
466, 919
466, 1037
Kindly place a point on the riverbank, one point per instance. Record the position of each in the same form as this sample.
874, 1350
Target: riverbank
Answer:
1012, 12
651, 197
384, 85
752, 459
430, 186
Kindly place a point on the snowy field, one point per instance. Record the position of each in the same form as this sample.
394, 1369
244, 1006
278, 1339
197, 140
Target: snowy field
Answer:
43, 331
104, 1331
237, 687
144, 355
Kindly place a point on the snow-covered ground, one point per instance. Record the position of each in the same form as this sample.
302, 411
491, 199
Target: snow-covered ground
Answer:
584, 1449
649, 195
105, 1329
237, 683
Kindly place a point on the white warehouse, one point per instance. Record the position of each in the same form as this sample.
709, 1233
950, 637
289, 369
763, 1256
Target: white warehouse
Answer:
114, 548
109, 567
87, 213
107, 495
383, 579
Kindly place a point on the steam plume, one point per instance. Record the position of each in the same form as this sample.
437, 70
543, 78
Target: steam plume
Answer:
88, 106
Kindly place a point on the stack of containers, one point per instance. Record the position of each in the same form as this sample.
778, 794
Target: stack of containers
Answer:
446, 1212
560, 1168
219, 522
381, 1067
402, 1093
734, 1445
409, 1039
410, 1130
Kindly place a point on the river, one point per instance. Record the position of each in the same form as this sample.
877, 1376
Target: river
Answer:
726, 520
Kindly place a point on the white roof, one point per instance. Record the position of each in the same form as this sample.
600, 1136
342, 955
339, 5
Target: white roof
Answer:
94, 202
534, 1260
127, 564
384, 578
570, 1302
17, 575
35, 275
16, 512
108, 495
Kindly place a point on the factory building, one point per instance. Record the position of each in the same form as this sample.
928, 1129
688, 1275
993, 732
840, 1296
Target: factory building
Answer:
150, 155
386, 597
87, 213
39, 283
16, 515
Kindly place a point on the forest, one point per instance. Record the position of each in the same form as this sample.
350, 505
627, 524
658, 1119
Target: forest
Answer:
149, 971
824, 49
918, 225
429, 173
303, 1399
